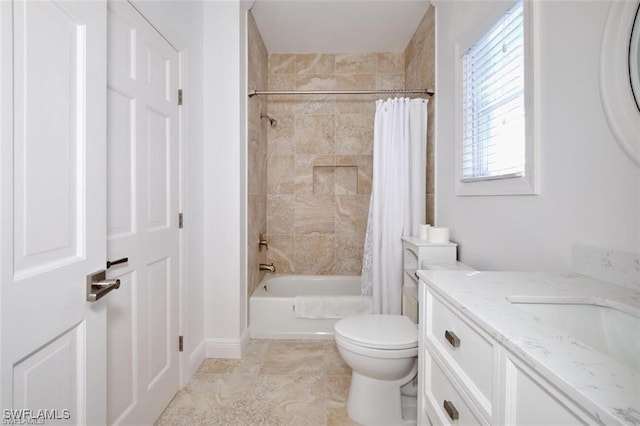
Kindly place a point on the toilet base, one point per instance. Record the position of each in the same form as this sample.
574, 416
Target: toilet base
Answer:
409, 410
379, 402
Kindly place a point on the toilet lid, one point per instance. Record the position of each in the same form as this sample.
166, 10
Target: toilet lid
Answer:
379, 331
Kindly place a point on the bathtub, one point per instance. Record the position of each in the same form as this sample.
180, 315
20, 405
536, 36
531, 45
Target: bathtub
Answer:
271, 306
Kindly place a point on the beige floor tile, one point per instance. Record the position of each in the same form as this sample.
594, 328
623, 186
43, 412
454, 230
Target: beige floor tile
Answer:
292, 400
229, 366
295, 357
182, 411
339, 417
277, 382
337, 391
334, 363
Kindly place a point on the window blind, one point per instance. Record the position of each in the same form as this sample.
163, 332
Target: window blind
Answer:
493, 115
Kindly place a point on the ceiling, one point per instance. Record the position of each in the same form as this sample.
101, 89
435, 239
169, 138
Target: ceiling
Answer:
337, 26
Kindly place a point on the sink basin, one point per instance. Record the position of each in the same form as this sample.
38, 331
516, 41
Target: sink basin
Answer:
610, 331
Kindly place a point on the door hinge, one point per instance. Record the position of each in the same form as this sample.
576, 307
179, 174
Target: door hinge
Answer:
180, 344
179, 96
180, 221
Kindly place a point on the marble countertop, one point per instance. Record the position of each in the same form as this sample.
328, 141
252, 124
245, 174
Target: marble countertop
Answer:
602, 386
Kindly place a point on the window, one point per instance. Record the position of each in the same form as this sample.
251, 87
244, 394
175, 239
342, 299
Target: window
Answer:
495, 145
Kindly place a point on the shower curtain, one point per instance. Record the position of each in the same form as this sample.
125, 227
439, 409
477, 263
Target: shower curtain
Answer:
398, 197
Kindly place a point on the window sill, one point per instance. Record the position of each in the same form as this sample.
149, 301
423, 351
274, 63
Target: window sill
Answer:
507, 186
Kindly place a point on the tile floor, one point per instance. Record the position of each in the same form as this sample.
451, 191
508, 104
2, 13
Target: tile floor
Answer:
278, 382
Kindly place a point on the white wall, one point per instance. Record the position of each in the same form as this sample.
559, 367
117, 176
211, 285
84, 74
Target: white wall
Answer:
181, 23
224, 158
590, 189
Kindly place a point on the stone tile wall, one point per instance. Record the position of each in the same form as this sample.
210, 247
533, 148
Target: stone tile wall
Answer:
257, 155
319, 171
419, 59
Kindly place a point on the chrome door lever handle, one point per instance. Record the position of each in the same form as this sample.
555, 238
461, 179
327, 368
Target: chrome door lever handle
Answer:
98, 285
107, 283
111, 263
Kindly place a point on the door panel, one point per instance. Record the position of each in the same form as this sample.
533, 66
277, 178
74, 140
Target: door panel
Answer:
158, 73
47, 106
122, 362
158, 144
143, 211
120, 164
53, 212
159, 333
59, 362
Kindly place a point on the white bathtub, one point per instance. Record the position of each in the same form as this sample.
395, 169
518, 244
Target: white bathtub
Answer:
271, 306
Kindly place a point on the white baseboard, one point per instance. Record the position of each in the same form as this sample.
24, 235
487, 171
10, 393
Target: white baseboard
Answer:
227, 348
215, 348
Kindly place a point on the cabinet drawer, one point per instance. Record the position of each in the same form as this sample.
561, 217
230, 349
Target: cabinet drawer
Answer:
531, 400
444, 404
467, 352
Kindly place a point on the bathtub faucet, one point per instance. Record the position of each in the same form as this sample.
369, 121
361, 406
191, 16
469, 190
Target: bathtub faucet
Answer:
263, 243
268, 268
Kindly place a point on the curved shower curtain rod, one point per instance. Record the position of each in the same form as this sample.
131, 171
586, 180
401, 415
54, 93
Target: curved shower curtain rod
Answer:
428, 92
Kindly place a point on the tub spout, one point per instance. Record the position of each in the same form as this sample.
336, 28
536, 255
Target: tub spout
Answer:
268, 268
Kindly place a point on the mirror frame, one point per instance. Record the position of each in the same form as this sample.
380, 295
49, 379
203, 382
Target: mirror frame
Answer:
620, 106
634, 58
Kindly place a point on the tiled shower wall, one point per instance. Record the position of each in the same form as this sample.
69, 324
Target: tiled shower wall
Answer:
310, 175
320, 158
257, 155
419, 59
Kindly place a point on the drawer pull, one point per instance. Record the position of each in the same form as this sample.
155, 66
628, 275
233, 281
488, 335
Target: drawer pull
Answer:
451, 410
452, 338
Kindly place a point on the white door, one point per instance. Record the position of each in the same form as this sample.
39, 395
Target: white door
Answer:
52, 217
142, 218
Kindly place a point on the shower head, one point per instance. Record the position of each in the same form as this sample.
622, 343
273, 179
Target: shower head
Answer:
272, 121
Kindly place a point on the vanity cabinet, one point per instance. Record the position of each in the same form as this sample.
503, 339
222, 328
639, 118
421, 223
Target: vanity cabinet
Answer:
529, 399
468, 377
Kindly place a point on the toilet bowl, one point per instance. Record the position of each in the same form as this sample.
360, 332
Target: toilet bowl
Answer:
382, 351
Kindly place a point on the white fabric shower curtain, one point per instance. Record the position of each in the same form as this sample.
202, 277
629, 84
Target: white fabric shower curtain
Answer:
398, 197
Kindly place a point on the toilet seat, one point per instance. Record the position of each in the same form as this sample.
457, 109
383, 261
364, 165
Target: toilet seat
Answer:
376, 353
376, 331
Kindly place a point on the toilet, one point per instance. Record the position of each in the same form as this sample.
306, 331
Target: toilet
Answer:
382, 351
